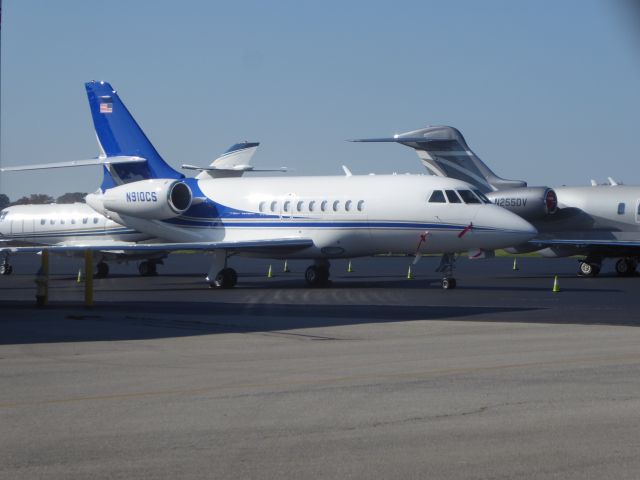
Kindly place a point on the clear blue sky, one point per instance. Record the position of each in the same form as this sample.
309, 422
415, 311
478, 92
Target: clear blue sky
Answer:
545, 91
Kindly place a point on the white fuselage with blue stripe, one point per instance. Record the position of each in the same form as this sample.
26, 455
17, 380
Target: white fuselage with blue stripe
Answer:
344, 216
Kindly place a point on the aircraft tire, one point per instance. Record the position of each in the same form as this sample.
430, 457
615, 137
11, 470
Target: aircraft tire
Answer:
312, 276
449, 283
588, 269
226, 278
317, 276
102, 270
626, 267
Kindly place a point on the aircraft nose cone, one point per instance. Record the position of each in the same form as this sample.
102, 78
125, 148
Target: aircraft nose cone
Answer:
508, 228
518, 228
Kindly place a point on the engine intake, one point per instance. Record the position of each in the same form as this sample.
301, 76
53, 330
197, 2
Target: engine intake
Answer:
531, 203
156, 199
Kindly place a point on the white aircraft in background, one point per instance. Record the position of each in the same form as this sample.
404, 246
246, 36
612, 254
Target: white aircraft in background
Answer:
316, 218
67, 224
597, 221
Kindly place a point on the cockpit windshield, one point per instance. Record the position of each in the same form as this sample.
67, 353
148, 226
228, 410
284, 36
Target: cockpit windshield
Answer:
468, 196
437, 197
3, 214
482, 196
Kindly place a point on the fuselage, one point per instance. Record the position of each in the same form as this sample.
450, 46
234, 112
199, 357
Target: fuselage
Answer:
345, 216
53, 224
595, 212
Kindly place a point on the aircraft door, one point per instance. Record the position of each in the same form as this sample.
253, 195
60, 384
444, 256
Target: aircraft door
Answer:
27, 225
638, 211
15, 226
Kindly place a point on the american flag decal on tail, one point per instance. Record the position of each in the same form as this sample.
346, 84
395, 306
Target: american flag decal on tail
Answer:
106, 107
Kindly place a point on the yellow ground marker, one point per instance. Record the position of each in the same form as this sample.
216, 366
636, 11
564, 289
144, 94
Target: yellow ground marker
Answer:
349, 269
556, 285
269, 272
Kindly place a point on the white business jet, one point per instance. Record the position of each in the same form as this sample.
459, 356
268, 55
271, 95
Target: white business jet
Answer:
78, 223
316, 218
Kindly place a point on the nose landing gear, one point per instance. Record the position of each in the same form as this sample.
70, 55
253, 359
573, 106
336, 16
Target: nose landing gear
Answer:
446, 267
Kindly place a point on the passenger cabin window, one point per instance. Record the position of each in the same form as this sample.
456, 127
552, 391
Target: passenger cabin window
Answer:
52, 221
312, 205
621, 209
62, 222
336, 205
73, 221
263, 206
468, 196
95, 219
43, 221
287, 206
274, 205
347, 205
361, 205
452, 196
300, 205
437, 197
323, 206
85, 220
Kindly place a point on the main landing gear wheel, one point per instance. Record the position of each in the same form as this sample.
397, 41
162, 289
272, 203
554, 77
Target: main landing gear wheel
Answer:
147, 269
6, 269
226, 278
626, 267
448, 283
316, 276
587, 269
102, 270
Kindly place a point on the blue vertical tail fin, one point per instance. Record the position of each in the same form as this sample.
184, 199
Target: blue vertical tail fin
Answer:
120, 135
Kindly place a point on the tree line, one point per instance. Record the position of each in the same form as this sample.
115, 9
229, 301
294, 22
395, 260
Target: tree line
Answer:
42, 198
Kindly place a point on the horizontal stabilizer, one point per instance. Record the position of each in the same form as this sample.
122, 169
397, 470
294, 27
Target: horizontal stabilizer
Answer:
445, 153
77, 163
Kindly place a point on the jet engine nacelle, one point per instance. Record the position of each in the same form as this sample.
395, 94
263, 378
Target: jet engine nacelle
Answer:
531, 203
155, 199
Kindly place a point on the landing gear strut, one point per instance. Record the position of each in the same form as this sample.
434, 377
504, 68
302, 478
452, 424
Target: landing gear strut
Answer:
317, 275
446, 267
5, 267
626, 267
590, 267
221, 276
